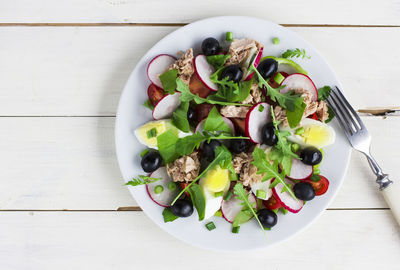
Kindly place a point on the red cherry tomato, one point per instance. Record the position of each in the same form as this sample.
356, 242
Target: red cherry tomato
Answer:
183, 186
196, 86
272, 203
154, 93
321, 186
313, 116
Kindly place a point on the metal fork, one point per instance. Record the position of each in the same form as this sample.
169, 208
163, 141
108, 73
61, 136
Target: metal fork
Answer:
360, 139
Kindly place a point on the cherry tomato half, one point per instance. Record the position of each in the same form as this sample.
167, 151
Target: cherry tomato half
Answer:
196, 86
154, 93
272, 203
321, 186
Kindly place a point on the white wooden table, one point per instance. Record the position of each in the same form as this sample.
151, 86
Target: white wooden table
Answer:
63, 65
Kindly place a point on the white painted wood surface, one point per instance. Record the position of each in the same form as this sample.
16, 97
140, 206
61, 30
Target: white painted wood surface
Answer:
64, 58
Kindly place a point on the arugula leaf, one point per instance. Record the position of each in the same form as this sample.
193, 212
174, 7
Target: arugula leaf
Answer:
198, 200
148, 105
166, 145
168, 80
168, 215
331, 115
242, 217
242, 195
294, 116
179, 117
141, 180
186, 145
295, 53
324, 92
187, 96
215, 122
218, 60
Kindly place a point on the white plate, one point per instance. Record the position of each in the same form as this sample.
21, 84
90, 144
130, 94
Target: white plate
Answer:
132, 114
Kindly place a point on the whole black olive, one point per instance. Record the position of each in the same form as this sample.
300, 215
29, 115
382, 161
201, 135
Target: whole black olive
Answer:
209, 149
191, 115
151, 161
210, 46
311, 156
267, 218
267, 68
233, 72
182, 208
304, 191
268, 135
239, 145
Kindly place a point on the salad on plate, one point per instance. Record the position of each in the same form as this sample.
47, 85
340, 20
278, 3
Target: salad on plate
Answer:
237, 134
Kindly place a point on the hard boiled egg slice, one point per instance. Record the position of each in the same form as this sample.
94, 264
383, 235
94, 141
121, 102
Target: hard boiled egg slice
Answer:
315, 133
214, 186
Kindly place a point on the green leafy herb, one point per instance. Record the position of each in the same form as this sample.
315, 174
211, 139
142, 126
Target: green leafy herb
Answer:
324, 92
296, 53
217, 60
331, 114
242, 217
168, 215
166, 143
294, 116
141, 180
288, 62
151, 133
168, 80
315, 177
198, 200
144, 152
215, 122
242, 195
179, 117
148, 105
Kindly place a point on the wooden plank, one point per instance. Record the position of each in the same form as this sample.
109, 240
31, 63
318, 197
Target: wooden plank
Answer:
385, 12
70, 163
366, 239
82, 71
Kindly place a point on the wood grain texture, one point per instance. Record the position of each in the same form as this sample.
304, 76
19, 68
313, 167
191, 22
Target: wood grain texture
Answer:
70, 163
125, 240
366, 12
82, 71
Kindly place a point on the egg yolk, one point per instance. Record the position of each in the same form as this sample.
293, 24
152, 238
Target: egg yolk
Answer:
315, 135
217, 180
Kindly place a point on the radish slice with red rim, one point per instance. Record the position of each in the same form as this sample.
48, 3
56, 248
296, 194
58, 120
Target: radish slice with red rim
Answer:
255, 62
200, 125
300, 171
256, 118
204, 70
286, 200
157, 66
233, 206
166, 197
300, 81
166, 106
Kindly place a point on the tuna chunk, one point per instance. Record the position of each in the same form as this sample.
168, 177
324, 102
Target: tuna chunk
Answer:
184, 65
184, 169
240, 49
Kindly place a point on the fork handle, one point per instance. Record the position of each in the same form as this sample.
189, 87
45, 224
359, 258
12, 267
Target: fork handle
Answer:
392, 196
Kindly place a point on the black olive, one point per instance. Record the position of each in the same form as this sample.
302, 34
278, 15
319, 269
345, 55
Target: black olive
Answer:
233, 72
151, 161
191, 115
267, 218
311, 156
267, 68
209, 148
304, 191
239, 145
268, 135
182, 208
210, 46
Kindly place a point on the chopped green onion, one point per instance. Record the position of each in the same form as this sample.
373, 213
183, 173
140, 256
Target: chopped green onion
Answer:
158, 189
284, 211
228, 195
260, 108
276, 41
229, 36
235, 229
151, 133
171, 186
295, 147
218, 213
267, 229
144, 152
279, 78
218, 194
210, 226
315, 177
275, 210
299, 131
261, 194
317, 171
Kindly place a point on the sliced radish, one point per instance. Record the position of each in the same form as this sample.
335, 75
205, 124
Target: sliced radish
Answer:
166, 197
286, 200
256, 118
232, 207
255, 62
300, 81
264, 186
204, 70
157, 66
166, 106
200, 125
300, 171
